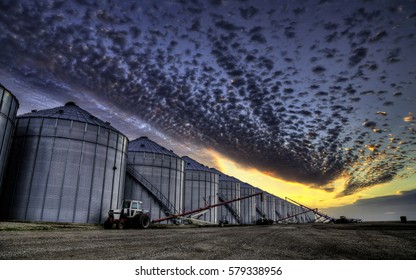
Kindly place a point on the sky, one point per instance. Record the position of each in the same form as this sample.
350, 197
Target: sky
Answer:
311, 100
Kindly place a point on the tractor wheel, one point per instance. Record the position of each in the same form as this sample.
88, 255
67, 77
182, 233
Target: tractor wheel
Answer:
141, 221
144, 221
108, 224
121, 225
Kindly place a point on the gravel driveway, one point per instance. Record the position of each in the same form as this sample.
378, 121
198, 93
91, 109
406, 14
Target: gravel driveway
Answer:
291, 241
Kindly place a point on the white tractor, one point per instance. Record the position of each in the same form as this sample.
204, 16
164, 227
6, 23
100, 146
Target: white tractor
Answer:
130, 215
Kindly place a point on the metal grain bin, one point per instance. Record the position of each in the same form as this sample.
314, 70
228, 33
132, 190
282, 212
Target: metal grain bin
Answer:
155, 176
248, 206
292, 208
261, 205
270, 209
66, 166
279, 208
229, 189
284, 209
8, 111
300, 217
200, 189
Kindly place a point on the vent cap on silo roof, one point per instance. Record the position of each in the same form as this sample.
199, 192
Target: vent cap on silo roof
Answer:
70, 103
69, 112
191, 164
144, 144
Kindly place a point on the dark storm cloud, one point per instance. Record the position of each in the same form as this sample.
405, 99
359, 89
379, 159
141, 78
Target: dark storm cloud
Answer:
235, 76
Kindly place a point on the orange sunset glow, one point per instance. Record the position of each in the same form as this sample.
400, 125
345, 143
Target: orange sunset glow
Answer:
307, 195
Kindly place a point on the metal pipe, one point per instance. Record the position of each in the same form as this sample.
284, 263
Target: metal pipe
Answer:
314, 210
282, 219
205, 208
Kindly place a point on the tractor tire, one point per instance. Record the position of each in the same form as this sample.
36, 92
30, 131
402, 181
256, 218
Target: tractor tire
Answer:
141, 221
121, 225
108, 224
144, 221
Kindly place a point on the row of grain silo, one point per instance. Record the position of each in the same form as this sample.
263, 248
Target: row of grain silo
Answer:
66, 165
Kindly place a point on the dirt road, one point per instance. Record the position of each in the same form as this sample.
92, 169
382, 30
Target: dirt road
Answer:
292, 241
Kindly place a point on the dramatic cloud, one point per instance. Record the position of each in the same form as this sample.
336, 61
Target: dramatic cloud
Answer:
281, 86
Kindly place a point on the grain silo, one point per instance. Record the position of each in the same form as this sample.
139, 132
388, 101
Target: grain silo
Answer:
155, 176
270, 209
292, 212
229, 189
248, 205
284, 209
8, 111
201, 186
310, 217
261, 206
303, 215
296, 212
279, 208
66, 166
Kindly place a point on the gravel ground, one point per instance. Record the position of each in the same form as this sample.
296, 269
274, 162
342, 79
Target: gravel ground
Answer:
292, 241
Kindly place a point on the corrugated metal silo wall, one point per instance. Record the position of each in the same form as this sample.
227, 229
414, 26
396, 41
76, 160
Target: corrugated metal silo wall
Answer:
64, 171
285, 209
164, 172
297, 212
229, 190
134, 190
8, 110
279, 207
248, 205
261, 204
201, 188
293, 212
270, 209
302, 216
289, 211
310, 216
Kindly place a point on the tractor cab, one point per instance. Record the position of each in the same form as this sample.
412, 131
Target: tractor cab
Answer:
131, 207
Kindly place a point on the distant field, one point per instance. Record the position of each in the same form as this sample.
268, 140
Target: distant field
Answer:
376, 240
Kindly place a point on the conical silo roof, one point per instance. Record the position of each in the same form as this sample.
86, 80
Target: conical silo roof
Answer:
69, 112
3, 88
144, 144
191, 164
224, 177
247, 185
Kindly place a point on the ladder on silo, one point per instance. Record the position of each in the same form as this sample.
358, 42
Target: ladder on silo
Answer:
167, 207
230, 208
260, 212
